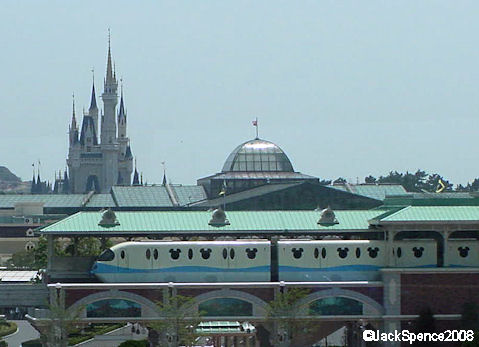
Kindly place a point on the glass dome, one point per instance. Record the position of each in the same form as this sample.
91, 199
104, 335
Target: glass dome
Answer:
258, 155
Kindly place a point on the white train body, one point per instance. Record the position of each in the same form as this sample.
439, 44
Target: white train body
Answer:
288, 260
191, 261
330, 260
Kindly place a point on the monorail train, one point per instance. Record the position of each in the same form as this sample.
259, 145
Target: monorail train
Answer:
262, 260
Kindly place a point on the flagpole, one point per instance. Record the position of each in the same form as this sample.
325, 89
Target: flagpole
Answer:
257, 128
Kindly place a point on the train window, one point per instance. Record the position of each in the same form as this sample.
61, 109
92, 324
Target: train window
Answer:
358, 252
399, 252
232, 253
122, 254
463, 251
323, 253
225, 253
148, 254
316, 253
205, 253
373, 251
155, 254
297, 253
343, 252
190, 253
251, 252
418, 251
175, 253
107, 255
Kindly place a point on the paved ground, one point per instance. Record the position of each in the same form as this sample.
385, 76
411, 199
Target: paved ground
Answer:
25, 332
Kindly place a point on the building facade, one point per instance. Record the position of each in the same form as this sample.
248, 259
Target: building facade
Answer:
99, 155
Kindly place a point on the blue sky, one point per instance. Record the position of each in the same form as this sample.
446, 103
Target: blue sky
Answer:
346, 88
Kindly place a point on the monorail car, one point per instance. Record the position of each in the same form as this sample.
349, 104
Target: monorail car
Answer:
261, 260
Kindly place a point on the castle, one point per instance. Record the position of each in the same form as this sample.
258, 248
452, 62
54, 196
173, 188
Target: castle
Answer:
98, 160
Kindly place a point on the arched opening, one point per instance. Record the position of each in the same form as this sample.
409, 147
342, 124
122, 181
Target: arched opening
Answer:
335, 306
113, 308
92, 184
225, 307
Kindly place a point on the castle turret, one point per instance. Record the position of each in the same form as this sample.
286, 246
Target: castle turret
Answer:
110, 99
73, 129
93, 110
99, 155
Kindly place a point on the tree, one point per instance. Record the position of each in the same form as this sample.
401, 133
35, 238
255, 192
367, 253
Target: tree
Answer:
340, 180
85, 246
470, 316
35, 258
425, 323
370, 179
283, 311
179, 324
60, 323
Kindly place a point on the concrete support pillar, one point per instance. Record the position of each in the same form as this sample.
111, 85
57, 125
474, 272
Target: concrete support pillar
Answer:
50, 252
391, 234
445, 246
392, 303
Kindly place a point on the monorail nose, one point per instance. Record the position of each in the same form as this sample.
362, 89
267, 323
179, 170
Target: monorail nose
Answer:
94, 268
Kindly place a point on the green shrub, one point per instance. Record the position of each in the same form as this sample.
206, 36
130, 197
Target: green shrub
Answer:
134, 343
32, 343
3, 344
7, 328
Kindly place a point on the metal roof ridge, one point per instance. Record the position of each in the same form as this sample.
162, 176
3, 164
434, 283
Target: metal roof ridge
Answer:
387, 214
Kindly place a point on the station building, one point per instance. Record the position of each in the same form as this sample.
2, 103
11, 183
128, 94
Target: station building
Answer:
443, 241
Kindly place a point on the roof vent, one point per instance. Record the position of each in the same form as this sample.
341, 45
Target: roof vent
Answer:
108, 219
327, 217
218, 219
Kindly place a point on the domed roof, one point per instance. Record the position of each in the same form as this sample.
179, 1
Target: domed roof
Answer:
259, 156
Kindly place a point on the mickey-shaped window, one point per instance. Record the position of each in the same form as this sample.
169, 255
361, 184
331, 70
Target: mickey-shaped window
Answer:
155, 254
251, 252
190, 254
463, 251
343, 252
373, 251
316, 253
297, 253
205, 253
148, 254
175, 253
418, 251
225, 253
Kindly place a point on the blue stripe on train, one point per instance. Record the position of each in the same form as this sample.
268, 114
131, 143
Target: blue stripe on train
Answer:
340, 268
105, 268
336, 268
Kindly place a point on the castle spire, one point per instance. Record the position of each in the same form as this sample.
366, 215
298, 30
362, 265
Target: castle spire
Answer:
93, 95
109, 68
74, 120
121, 112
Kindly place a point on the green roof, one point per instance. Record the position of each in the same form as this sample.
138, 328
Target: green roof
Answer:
434, 214
373, 191
141, 196
191, 221
433, 199
49, 200
101, 200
